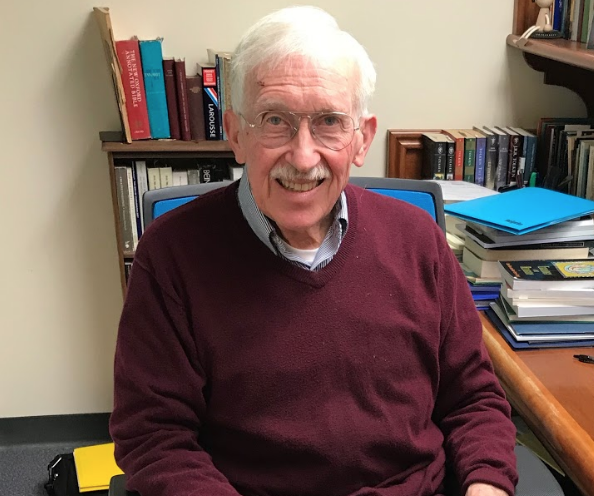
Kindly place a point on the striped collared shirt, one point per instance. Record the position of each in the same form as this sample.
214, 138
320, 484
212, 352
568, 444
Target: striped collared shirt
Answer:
264, 229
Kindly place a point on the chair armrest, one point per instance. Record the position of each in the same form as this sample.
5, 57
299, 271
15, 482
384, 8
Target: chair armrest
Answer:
117, 487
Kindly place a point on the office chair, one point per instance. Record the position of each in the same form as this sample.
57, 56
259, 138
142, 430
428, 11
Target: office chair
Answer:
156, 202
424, 194
535, 478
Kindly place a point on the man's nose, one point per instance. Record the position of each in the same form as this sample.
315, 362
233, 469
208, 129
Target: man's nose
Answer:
304, 154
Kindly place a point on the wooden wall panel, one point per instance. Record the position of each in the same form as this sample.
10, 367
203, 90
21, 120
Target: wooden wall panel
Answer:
405, 152
525, 14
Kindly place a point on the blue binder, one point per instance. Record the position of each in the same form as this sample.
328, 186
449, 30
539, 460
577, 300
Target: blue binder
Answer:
523, 210
151, 55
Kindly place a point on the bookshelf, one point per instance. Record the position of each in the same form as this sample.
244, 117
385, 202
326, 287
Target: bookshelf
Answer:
118, 151
563, 62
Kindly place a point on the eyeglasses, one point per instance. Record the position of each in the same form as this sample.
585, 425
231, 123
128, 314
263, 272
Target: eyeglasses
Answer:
273, 129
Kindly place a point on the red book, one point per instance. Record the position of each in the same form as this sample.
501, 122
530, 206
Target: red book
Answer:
128, 54
182, 99
171, 95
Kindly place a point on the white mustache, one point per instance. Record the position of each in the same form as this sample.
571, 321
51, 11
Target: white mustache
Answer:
287, 172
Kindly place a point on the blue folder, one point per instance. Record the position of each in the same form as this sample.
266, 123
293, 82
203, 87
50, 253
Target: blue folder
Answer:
523, 210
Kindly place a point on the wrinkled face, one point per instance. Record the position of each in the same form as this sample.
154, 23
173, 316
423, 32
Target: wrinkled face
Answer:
298, 183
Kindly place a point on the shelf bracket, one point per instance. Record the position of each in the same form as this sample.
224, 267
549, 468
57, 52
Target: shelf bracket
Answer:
577, 79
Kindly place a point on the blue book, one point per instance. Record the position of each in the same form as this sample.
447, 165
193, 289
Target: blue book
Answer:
558, 15
528, 345
522, 210
151, 55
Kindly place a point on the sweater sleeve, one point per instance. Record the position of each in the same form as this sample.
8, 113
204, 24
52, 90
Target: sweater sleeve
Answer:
471, 408
158, 396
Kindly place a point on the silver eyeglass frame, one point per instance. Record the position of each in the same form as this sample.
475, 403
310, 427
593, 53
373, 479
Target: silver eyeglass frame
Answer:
299, 116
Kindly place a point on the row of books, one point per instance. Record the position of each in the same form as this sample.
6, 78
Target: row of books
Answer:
490, 156
133, 178
566, 155
574, 20
157, 98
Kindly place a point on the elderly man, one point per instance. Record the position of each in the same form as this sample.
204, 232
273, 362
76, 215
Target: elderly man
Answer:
291, 335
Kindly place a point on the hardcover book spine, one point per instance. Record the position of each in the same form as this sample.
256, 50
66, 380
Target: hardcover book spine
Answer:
136, 190
479, 173
182, 99
121, 178
132, 207
211, 103
196, 106
220, 92
530, 156
154, 81
491, 161
128, 54
469, 158
171, 94
142, 182
502, 159
515, 145
434, 159
450, 159
558, 15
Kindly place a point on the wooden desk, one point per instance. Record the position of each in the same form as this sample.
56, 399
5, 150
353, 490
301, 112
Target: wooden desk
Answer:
554, 393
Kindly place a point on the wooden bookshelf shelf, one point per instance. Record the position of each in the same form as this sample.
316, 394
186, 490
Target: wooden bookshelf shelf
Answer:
168, 146
568, 52
563, 62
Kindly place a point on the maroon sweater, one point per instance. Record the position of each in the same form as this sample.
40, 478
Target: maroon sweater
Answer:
239, 372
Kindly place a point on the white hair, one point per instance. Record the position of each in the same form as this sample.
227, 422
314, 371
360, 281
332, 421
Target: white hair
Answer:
306, 31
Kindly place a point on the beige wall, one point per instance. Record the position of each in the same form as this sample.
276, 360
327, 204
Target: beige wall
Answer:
440, 64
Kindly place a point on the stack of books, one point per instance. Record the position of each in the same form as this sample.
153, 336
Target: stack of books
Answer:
545, 303
523, 224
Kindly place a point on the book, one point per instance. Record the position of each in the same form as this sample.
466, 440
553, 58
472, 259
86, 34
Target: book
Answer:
481, 156
526, 252
154, 178
124, 212
522, 210
502, 156
483, 268
154, 81
95, 466
211, 103
103, 19
196, 107
572, 241
142, 185
132, 206
568, 230
528, 157
171, 95
545, 331
459, 153
490, 156
527, 345
182, 99
166, 176
128, 53
560, 294
548, 274
512, 316
543, 309
434, 155
450, 158
469, 154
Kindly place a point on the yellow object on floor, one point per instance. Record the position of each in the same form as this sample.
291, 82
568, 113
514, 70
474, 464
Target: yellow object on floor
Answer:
95, 466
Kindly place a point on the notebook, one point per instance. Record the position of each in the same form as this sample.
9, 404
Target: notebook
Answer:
95, 466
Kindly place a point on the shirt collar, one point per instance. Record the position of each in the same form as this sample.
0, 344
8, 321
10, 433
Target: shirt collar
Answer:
266, 232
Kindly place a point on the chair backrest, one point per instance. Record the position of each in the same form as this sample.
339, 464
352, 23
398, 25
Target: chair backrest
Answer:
159, 201
424, 194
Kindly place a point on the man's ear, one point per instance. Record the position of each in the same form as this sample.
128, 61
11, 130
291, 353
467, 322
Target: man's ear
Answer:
368, 130
232, 123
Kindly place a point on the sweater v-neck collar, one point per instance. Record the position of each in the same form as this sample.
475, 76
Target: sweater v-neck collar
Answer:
260, 254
